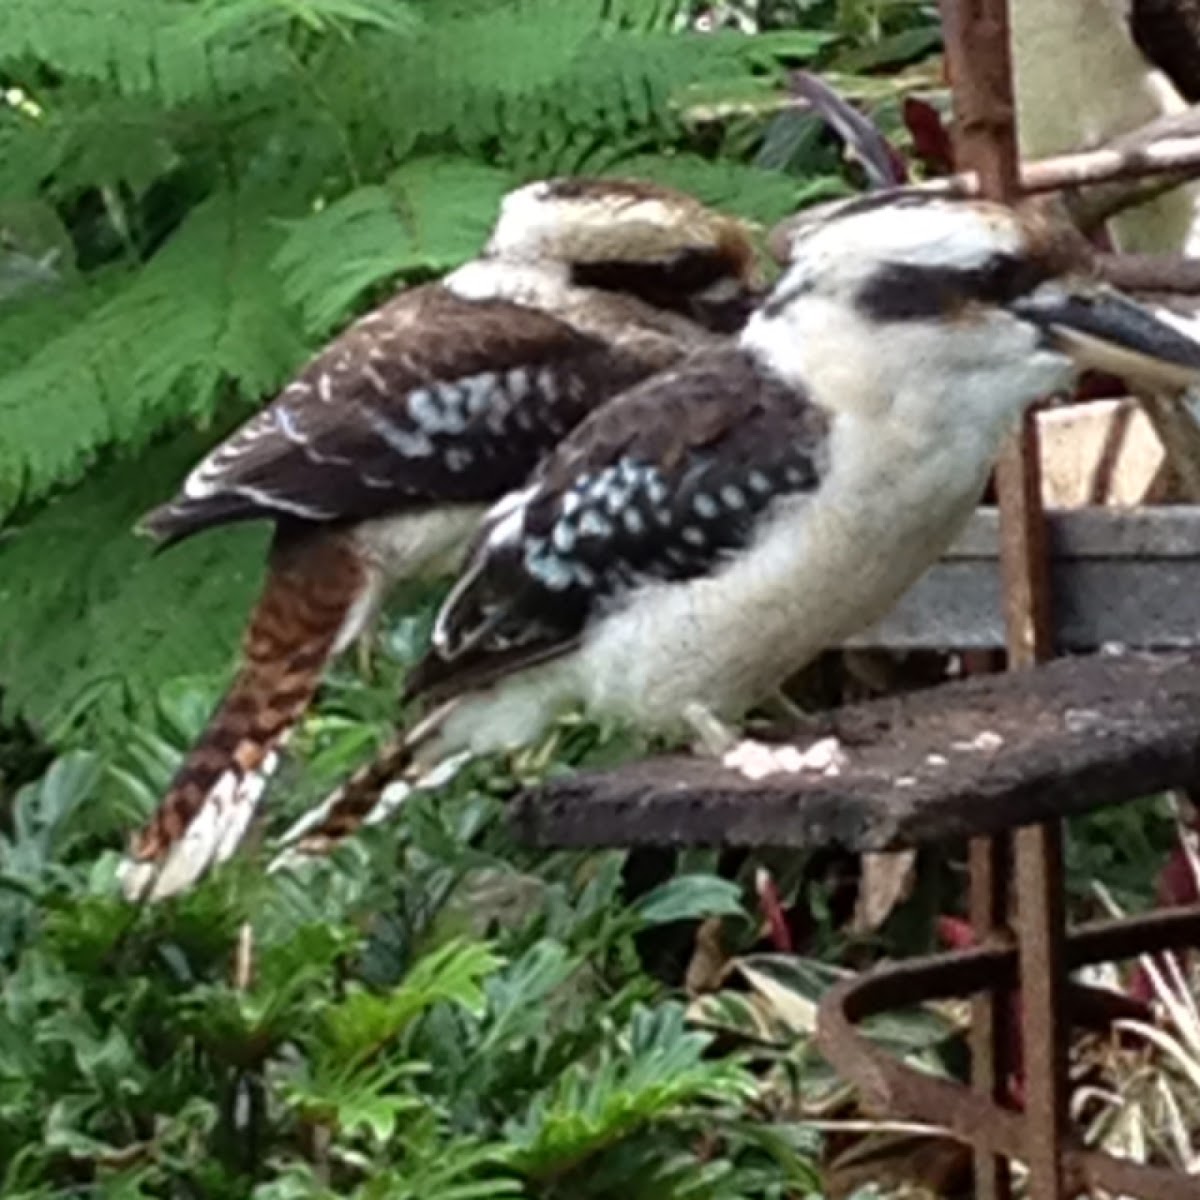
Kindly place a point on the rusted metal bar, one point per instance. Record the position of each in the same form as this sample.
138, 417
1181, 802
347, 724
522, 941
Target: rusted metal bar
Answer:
1024, 557
991, 1013
974, 757
1038, 849
980, 70
1041, 912
980, 66
900, 1091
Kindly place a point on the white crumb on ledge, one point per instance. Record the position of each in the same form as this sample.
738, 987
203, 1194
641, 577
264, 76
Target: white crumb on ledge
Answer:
987, 740
757, 760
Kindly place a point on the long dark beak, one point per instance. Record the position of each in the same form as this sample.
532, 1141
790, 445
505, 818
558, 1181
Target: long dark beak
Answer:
1105, 331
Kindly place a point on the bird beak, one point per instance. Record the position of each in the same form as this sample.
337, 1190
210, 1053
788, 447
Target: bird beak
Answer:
1102, 330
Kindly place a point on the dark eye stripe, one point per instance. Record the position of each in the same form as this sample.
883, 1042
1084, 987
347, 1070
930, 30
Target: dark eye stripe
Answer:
909, 292
690, 270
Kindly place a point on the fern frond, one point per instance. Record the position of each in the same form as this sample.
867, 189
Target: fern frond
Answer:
752, 192
94, 622
205, 312
519, 80
38, 319
220, 18
21, 155
646, 15
447, 87
428, 216
93, 141
619, 88
155, 47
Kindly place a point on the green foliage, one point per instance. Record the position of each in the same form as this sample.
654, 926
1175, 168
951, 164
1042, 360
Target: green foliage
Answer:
82, 598
194, 195
425, 217
361, 1049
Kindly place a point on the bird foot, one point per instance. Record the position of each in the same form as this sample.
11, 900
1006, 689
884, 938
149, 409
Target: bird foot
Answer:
713, 736
757, 760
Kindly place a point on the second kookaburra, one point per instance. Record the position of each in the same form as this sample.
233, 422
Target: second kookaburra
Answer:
376, 463
706, 534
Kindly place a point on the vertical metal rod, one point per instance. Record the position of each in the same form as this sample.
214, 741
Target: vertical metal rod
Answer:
991, 1021
1024, 558
979, 64
1041, 906
1045, 1024
979, 59
981, 144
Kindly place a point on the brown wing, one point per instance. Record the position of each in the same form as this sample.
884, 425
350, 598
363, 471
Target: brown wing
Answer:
430, 399
660, 485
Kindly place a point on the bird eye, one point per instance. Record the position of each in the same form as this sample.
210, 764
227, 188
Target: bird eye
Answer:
1005, 278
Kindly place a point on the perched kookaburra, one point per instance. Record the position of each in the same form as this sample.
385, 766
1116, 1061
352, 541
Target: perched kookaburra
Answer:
707, 533
377, 461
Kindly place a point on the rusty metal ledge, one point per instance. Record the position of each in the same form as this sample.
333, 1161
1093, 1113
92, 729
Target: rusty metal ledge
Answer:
977, 756
888, 1086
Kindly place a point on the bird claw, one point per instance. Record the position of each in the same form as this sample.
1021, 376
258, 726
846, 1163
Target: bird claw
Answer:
757, 760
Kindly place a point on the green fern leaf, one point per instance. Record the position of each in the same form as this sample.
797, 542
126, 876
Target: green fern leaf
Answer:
426, 217
159, 48
751, 192
518, 81
94, 623
646, 15
105, 141
205, 312
223, 17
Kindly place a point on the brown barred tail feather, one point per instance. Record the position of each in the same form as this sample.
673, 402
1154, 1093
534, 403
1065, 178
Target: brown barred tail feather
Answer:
316, 599
375, 790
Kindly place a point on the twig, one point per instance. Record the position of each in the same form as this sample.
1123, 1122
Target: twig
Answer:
1178, 158
1170, 155
243, 961
1179, 433
1151, 272
1091, 209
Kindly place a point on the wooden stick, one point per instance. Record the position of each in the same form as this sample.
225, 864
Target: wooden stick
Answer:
1178, 158
1151, 272
1171, 155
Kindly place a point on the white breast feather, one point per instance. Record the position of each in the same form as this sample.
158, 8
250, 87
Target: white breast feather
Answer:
824, 566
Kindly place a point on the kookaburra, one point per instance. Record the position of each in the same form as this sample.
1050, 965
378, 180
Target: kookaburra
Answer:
377, 461
706, 534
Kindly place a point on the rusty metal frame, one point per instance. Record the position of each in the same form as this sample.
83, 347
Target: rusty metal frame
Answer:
1036, 949
978, 52
998, 1132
